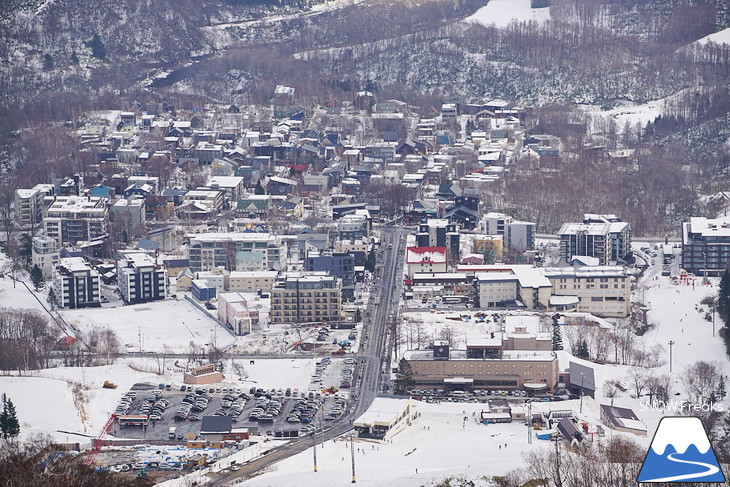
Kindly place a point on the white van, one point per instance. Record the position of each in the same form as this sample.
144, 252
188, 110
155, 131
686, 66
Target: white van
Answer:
459, 393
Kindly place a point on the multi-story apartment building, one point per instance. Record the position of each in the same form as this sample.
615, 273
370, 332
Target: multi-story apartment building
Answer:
439, 233
599, 290
706, 246
233, 310
234, 251
426, 259
76, 284
139, 278
307, 298
354, 226
29, 204
44, 254
341, 266
603, 236
517, 235
251, 281
75, 218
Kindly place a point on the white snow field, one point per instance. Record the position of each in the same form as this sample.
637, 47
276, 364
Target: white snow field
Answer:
154, 327
503, 12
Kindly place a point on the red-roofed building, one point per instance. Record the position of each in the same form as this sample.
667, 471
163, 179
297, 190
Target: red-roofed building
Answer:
426, 259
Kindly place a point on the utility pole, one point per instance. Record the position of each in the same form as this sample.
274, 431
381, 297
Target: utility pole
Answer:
529, 422
352, 456
314, 446
671, 342
582, 377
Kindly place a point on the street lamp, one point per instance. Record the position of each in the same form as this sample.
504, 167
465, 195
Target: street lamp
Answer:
314, 447
671, 342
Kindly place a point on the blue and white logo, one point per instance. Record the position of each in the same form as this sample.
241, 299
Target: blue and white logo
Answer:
680, 452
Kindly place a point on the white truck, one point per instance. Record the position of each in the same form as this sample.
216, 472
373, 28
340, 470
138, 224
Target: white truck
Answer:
171, 434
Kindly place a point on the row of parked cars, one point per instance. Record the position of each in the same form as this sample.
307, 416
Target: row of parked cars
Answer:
321, 369
153, 406
347, 372
304, 411
335, 410
125, 403
232, 405
265, 410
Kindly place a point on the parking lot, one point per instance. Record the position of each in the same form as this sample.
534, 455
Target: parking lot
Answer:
439, 395
268, 410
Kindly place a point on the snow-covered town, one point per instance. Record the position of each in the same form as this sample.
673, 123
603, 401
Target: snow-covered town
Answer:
291, 287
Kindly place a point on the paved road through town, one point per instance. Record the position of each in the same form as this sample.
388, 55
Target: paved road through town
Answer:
374, 356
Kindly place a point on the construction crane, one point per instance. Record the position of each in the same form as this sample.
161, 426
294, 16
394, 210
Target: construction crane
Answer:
99, 440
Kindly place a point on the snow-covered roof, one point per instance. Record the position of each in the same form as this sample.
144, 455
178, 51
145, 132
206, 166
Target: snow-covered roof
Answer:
426, 255
383, 411
718, 227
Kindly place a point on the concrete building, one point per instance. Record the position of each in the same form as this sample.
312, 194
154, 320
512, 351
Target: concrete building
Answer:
139, 278
706, 246
439, 233
306, 299
385, 418
29, 204
512, 286
129, 215
517, 235
603, 236
76, 284
70, 219
252, 282
454, 370
232, 186
426, 259
355, 225
233, 311
599, 290
234, 251
205, 374
341, 266
489, 246
44, 254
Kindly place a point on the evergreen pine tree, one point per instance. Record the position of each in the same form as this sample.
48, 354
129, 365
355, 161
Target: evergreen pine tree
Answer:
404, 377
582, 351
370, 262
557, 338
36, 276
723, 298
9, 425
48, 63
12, 426
98, 50
721, 391
259, 188
52, 299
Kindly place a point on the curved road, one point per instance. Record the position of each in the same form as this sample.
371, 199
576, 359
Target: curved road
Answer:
374, 357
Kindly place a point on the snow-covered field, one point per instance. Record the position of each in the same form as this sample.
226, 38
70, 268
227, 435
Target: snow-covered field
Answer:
18, 297
45, 401
720, 37
448, 447
502, 12
162, 325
